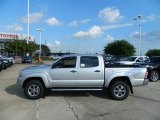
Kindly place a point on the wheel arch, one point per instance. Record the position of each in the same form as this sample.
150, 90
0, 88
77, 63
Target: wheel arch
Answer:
33, 78
123, 79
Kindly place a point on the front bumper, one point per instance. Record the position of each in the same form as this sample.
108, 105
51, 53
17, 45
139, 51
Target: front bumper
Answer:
20, 82
146, 81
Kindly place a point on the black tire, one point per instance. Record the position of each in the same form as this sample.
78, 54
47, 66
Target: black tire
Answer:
5, 66
154, 76
34, 89
119, 90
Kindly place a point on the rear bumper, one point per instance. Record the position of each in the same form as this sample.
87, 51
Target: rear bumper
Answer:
145, 81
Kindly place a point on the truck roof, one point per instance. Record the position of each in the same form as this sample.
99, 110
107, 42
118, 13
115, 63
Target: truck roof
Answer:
82, 55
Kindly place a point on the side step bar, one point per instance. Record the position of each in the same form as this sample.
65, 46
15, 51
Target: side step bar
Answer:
71, 89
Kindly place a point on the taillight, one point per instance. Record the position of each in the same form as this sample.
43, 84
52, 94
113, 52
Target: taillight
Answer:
146, 75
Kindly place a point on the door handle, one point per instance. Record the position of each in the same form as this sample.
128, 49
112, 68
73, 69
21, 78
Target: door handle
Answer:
73, 71
97, 71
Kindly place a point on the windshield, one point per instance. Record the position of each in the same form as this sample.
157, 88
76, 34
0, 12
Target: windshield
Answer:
131, 59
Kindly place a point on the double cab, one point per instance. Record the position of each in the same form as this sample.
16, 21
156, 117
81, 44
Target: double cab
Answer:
81, 72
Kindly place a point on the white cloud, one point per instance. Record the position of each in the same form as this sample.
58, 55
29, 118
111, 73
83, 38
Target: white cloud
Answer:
57, 43
136, 34
152, 18
14, 28
97, 31
33, 17
109, 38
54, 46
116, 26
49, 45
74, 23
53, 21
153, 35
110, 14
84, 21
93, 32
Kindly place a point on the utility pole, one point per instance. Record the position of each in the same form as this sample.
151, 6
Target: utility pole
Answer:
40, 34
139, 18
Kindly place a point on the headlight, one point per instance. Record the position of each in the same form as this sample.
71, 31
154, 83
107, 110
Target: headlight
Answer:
148, 66
5, 61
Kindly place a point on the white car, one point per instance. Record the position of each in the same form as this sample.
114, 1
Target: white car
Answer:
135, 59
55, 57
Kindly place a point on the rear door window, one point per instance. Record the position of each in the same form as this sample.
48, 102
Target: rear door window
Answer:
89, 61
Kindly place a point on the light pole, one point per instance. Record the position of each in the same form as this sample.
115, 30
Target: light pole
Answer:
40, 33
28, 22
139, 18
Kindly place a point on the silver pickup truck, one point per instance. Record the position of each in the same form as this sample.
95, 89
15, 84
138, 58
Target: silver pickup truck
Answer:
81, 72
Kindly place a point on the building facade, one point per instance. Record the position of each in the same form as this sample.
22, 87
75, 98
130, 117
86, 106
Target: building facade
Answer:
12, 36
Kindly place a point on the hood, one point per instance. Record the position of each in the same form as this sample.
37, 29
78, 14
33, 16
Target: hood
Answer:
37, 68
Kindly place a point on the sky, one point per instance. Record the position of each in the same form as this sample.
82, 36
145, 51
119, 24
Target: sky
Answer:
84, 26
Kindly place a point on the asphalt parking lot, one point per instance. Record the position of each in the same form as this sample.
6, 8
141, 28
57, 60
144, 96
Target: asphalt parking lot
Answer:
143, 105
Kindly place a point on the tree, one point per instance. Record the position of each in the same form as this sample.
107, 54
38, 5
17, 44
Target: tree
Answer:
20, 47
153, 52
44, 50
31, 47
120, 48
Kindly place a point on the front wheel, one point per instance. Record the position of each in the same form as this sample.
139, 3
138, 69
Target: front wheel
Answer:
119, 90
154, 76
34, 89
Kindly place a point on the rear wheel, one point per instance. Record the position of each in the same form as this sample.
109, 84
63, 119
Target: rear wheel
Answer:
154, 76
119, 90
34, 89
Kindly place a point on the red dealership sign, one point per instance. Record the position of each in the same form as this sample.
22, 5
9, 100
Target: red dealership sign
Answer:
8, 36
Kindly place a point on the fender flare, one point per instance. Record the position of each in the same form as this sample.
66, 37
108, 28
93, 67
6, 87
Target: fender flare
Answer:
119, 75
43, 76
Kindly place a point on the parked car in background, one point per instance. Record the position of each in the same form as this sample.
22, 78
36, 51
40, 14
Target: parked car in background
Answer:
1, 65
5, 63
27, 59
116, 59
153, 68
135, 59
55, 57
10, 59
18, 59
